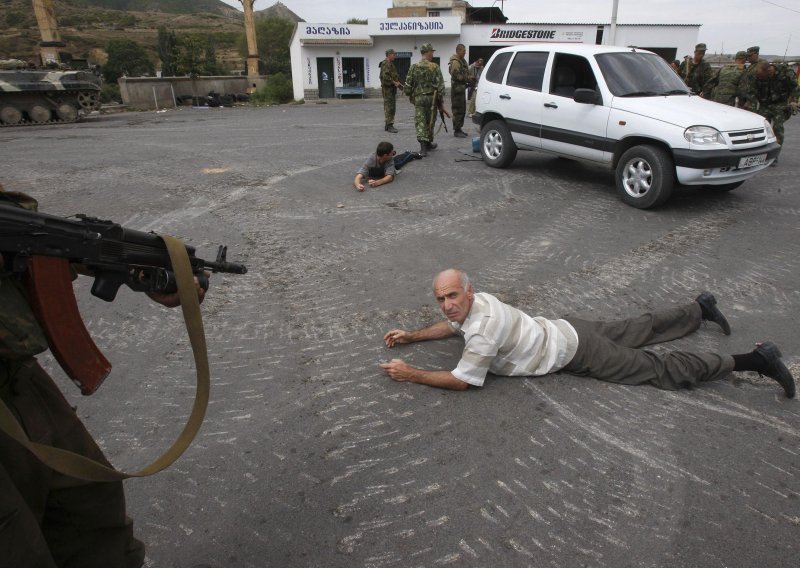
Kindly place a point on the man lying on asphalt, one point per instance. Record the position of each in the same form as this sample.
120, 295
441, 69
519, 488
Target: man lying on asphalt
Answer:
505, 341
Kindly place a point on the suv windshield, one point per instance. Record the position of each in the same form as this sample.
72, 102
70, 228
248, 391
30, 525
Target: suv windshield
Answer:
636, 74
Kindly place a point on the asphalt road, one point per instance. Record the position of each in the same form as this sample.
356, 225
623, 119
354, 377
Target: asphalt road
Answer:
310, 456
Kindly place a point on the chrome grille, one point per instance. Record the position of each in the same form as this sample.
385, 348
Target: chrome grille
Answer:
752, 136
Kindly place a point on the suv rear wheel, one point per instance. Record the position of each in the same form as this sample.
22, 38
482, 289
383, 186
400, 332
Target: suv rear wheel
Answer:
497, 148
645, 176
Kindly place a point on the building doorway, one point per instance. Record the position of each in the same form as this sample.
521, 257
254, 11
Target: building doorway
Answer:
325, 77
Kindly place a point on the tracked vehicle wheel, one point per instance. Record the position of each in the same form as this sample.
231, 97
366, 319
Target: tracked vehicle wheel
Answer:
67, 112
39, 114
89, 100
10, 115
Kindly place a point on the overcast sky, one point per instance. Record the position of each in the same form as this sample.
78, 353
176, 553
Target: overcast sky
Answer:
727, 25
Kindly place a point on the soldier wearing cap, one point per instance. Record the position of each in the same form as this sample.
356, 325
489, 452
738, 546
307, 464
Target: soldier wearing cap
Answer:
696, 72
459, 77
424, 84
390, 80
747, 84
727, 89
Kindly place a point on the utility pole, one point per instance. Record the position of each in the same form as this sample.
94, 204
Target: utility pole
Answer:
252, 47
612, 40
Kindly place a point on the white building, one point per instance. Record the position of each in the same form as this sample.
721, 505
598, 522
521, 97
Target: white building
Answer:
330, 60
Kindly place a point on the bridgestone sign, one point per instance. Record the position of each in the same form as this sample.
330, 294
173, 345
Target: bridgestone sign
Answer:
497, 33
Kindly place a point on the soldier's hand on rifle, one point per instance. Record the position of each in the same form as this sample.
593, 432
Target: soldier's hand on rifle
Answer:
173, 300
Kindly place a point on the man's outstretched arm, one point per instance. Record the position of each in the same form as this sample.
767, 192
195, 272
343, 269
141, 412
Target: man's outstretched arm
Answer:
400, 371
438, 330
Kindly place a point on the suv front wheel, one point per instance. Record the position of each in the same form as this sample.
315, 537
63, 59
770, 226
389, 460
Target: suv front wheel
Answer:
645, 176
497, 148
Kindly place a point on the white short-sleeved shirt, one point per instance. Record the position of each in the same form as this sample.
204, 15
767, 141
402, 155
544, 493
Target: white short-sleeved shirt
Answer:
506, 341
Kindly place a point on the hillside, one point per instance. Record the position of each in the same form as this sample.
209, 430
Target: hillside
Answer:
88, 25
168, 6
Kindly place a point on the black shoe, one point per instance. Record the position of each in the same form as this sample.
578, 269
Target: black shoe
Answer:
460, 134
775, 369
391, 128
432, 145
423, 148
708, 303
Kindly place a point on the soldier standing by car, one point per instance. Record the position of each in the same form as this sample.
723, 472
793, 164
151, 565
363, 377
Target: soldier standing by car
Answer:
459, 77
773, 88
747, 82
727, 89
474, 75
696, 72
424, 85
390, 80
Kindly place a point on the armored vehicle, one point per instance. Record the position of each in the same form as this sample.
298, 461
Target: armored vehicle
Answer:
46, 97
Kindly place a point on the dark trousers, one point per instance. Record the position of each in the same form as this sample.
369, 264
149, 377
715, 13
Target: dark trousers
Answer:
609, 351
47, 519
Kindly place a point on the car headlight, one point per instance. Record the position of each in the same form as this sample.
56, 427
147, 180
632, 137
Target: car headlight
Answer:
703, 136
768, 129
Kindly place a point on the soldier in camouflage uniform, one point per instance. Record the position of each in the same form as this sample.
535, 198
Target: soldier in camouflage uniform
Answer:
727, 89
390, 80
424, 85
771, 92
748, 80
459, 77
696, 72
48, 519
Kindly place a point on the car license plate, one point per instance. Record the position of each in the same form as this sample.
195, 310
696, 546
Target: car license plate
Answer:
751, 161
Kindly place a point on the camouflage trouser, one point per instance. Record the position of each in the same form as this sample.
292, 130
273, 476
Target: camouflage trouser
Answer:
423, 116
471, 102
777, 115
459, 105
389, 104
49, 519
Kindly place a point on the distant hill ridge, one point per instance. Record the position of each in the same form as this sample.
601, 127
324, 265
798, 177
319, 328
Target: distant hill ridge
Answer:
278, 10
166, 6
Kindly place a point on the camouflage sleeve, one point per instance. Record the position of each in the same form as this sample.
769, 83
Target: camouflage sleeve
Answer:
439, 80
709, 80
746, 90
411, 79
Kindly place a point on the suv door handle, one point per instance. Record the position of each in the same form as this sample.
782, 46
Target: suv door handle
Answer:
551, 105
507, 97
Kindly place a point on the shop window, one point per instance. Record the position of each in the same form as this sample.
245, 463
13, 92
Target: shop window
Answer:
353, 71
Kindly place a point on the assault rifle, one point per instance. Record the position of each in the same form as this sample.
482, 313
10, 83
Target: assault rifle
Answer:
438, 105
42, 247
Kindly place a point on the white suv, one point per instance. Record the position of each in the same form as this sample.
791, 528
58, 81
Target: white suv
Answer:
623, 107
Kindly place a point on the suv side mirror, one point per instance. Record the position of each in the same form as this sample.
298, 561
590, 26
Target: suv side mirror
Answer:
585, 96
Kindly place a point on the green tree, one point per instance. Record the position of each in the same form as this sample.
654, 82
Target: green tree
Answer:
273, 36
190, 58
362, 21
126, 57
168, 52
197, 55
